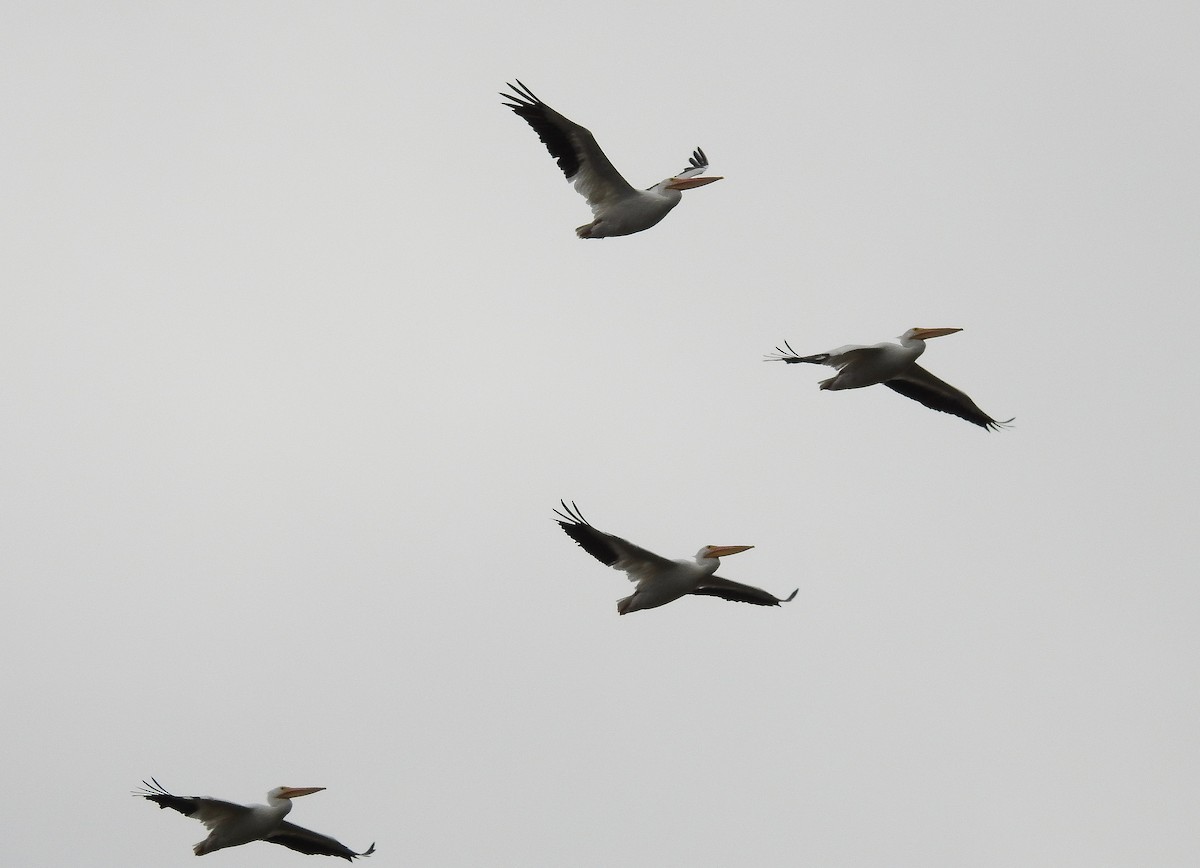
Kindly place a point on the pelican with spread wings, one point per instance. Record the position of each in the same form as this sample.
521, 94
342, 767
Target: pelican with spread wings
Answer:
659, 580
619, 209
894, 364
230, 824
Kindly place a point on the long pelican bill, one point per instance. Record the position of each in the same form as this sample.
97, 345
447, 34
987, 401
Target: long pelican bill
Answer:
926, 334
296, 792
722, 551
692, 183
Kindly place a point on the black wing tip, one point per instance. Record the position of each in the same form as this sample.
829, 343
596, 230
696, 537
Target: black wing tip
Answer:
363, 854
524, 103
155, 792
578, 528
791, 357
571, 520
779, 601
983, 420
150, 789
750, 595
520, 94
570, 516
780, 355
547, 123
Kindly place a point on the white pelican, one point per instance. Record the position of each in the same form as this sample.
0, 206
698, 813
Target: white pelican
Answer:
659, 581
619, 209
894, 365
230, 825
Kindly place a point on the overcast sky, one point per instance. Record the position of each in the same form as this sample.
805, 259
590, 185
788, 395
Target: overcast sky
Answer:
299, 350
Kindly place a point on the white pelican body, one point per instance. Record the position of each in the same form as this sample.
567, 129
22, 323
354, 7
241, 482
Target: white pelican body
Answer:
894, 364
659, 581
231, 825
619, 209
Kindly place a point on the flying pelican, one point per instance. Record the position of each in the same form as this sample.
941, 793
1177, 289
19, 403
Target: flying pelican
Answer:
894, 365
230, 825
659, 581
619, 209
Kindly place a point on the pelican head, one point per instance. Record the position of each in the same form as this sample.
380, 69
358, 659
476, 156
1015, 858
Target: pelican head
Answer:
920, 334
719, 551
690, 183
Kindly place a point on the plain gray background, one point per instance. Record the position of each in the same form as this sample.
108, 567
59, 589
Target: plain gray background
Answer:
299, 350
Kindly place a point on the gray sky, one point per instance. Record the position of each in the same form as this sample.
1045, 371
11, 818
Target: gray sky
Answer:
299, 350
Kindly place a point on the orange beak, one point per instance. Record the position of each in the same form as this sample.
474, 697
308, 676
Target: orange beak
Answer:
926, 334
722, 551
690, 183
296, 792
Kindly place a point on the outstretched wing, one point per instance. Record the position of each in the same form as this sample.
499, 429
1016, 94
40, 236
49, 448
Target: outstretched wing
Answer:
924, 388
210, 812
573, 146
838, 358
313, 843
715, 586
610, 550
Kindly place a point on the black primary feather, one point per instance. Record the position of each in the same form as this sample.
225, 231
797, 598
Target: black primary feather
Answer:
792, 357
761, 598
541, 117
155, 792
592, 541
313, 843
934, 400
